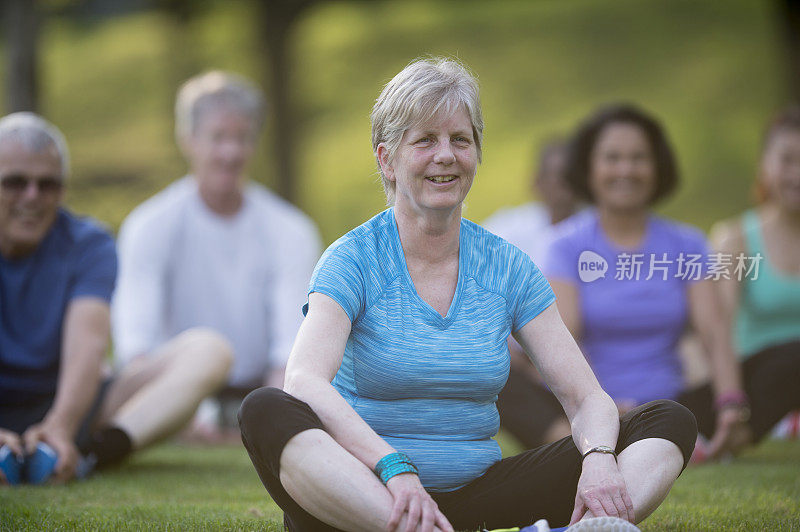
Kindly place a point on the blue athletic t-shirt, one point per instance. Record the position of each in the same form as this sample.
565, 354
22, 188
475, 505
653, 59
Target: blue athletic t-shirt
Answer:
76, 259
425, 383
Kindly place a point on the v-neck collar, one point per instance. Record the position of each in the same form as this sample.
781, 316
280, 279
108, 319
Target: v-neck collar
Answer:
441, 321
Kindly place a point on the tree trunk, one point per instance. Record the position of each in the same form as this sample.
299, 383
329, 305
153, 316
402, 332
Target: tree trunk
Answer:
788, 13
182, 59
22, 35
277, 18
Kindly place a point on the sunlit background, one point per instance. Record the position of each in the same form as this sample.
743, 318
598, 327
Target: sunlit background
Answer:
714, 72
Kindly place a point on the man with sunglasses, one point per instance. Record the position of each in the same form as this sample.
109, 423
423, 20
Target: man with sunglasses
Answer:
58, 416
56, 278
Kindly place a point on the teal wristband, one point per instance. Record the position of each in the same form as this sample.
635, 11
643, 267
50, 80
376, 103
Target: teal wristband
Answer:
394, 464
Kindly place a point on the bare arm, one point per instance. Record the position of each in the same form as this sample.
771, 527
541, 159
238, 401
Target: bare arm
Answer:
714, 328
84, 344
727, 238
313, 363
315, 359
553, 350
591, 412
568, 305
713, 307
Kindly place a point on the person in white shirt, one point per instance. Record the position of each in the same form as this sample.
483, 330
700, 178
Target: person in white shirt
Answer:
527, 227
214, 250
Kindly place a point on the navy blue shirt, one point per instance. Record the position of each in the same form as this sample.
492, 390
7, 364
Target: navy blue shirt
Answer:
76, 259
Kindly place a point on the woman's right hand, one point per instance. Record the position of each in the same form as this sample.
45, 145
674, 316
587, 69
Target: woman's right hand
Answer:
411, 499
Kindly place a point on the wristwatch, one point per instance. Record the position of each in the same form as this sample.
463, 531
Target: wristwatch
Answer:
605, 449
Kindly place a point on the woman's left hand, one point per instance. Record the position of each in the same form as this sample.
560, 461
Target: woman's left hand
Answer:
602, 490
732, 433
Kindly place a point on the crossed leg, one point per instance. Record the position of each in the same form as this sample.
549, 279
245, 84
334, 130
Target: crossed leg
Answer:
313, 479
155, 396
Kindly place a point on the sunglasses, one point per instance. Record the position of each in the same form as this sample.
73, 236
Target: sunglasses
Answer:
17, 184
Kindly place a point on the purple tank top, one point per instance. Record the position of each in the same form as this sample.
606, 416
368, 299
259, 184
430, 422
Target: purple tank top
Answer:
633, 303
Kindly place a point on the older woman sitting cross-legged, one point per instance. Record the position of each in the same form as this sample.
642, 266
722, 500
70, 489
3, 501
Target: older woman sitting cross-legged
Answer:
389, 410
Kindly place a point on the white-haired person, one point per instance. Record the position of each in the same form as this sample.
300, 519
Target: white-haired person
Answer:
57, 274
214, 250
388, 414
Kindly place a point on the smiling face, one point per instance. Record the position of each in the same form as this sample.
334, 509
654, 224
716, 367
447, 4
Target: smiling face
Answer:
435, 164
30, 194
622, 172
219, 149
780, 169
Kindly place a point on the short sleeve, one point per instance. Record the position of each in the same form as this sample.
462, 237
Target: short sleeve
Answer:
339, 275
560, 261
95, 267
530, 292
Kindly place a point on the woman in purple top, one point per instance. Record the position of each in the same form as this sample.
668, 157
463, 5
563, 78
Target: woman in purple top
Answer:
628, 282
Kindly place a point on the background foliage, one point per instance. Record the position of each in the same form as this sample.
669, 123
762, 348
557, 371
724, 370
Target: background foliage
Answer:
710, 70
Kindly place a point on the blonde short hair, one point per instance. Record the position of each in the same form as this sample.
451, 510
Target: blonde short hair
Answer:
212, 90
35, 134
423, 89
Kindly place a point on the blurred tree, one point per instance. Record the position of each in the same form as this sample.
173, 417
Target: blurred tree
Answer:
789, 19
277, 19
22, 22
183, 60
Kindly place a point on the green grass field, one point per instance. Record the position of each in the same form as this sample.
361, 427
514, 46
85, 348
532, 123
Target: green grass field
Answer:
174, 487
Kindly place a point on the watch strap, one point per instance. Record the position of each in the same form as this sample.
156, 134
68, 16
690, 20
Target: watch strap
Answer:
604, 449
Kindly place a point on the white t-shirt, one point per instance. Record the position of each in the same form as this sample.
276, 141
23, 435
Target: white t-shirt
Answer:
526, 226
245, 276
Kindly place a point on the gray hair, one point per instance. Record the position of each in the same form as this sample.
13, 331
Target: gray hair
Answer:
212, 90
424, 88
35, 134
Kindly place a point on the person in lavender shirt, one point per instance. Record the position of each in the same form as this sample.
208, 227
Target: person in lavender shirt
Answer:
629, 283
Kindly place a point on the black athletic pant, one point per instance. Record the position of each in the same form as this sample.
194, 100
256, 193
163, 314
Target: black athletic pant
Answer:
536, 484
772, 382
770, 379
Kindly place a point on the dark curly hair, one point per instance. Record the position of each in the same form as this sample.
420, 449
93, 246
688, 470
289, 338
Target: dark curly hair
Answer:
582, 144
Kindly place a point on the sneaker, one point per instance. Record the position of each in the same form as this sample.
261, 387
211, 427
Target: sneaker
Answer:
40, 465
10, 465
595, 524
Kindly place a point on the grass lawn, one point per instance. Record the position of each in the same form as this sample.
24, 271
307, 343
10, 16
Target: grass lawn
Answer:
174, 487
